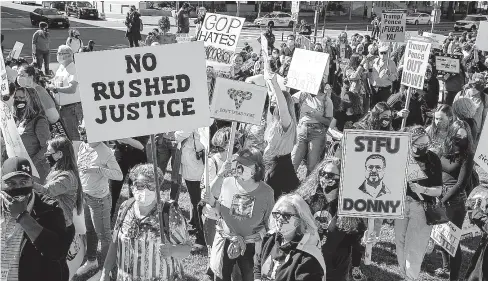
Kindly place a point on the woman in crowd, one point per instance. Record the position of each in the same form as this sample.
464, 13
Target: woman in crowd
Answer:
192, 167
245, 203
134, 26
316, 112
74, 41
236, 70
416, 112
329, 49
137, 227
63, 182
281, 136
350, 109
457, 168
412, 233
379, 118
338, 235
29, 77
437, 131
464, 109
252, 135
353, 78
291, 249
33, 128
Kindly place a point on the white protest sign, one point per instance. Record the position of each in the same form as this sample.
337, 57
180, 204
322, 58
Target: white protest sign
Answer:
143, 91
306, 70
4, 89
469, 229
183, 37
415, 63
437, 39
393, 27
16, 50
481, 38
238, 101
481, 154
76, 255
381, 158
221, 31
447, 235
13, 143
447, 64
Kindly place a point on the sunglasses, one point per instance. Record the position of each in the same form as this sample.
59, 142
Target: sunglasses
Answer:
328, 175
382, 53
283, 217
144, 185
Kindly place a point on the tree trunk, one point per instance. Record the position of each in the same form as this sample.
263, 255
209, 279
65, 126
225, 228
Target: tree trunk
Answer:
450, 10
325, 16
259, 8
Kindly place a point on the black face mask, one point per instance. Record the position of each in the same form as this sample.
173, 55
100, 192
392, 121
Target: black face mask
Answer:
461, 142
346, 104
328, 189
20, 104
22, 191
420, 151
50, 160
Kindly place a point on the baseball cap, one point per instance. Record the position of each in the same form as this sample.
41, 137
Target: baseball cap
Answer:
16, 166
383, 49
246, 157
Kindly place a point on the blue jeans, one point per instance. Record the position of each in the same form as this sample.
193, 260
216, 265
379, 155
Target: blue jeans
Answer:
43, 57
455, 211
311, 143
72, 115
97, 220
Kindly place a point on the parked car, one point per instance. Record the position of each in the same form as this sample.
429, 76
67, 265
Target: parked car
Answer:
53, 17
418, 18
60, 5
470, 22
81, 9
275, 19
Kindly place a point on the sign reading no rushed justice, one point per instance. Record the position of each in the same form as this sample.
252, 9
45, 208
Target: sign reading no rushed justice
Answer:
143, 91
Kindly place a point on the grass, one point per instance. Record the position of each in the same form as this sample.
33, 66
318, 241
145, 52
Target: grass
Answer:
383, 267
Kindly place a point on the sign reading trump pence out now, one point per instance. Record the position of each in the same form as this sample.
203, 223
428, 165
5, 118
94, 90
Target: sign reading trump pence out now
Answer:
393, 27
307, 70
415, 63
143, 91
238, 101
381, 158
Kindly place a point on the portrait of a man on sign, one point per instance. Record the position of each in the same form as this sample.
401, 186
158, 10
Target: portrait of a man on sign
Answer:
373, 184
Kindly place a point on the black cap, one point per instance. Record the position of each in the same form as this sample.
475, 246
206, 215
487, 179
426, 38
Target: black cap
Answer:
16, 166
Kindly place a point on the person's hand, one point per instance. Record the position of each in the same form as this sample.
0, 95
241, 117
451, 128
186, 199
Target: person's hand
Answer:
403, 113
51, 87
225, 169
416, 188
12, 205
165, 250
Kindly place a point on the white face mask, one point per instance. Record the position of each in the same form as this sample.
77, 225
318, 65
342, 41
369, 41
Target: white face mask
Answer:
286, 229
242, 172
25, 82
144, 197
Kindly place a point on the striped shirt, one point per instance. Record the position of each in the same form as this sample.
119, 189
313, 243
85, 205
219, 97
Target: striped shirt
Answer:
138, 244
11, 243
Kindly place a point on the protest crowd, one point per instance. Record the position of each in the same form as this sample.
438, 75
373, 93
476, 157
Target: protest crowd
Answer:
276, 199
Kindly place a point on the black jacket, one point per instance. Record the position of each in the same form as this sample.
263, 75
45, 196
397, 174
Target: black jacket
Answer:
299, 266
45, 258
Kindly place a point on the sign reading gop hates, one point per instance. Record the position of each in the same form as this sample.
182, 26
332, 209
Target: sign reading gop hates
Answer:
379, 160
393, 27
143, 91
307, 70
221, 31
238, 101
415, 64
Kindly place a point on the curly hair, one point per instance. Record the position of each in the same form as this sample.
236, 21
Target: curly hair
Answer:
146, 170
310, 185
355, 101
372, 119
449, 148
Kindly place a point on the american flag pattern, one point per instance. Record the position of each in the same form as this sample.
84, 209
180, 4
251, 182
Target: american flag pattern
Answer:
138, 257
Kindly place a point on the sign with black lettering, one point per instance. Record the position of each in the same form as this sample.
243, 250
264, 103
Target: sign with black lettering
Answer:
373, 174
447, 235
393, 27
437, 39
307, 70
221, 31
447, 64
415, 64
143, 91
481, 155
238, 101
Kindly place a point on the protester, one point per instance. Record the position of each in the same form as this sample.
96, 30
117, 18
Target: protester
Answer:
74, 41
245, 203
33, 128
138, 227
375, 32
383, 75
339, 235
413, 232
32, 228
457, 168
437, 131
97, 165
183, 18
305, 28
134, 26
453, 83
379, 118
465, 109
290, 250
268, 34
288, 49
349, 110
63, 183
40, 47
316, 112
252, 135
64, 87
89, 47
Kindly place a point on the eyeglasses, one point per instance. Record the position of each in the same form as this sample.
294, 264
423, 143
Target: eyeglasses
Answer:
144, 185
328, 175
283, 217
374, 167
62, 54
382, 53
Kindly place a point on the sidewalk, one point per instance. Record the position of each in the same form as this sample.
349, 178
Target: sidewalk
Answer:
146, 20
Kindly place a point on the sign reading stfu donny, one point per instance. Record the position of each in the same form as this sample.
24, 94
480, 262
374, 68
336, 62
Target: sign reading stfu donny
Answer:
381, 158
221, 31
143, 91
238, 101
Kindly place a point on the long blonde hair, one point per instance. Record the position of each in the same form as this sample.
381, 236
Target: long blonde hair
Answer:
307, 222
33, 107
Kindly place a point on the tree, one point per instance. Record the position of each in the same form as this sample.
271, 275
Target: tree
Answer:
450, 10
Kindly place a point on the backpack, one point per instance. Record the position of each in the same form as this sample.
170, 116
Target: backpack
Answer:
166, 208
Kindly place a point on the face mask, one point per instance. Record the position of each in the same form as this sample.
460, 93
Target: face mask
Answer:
20, 194
285, 229
461, 142
20, 104
25, 82
346, 104
332, 195
144, 197
50, 160
419, 151
60, 59
385, 122
243, 173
